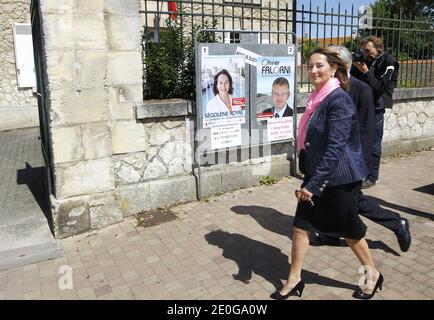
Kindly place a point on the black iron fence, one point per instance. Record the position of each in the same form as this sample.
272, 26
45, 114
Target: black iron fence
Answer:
168, 35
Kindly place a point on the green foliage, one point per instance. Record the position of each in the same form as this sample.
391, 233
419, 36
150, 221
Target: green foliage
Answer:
169, 64
308, 47
407, 84
267, 180
403, 56
352, 45
412, 24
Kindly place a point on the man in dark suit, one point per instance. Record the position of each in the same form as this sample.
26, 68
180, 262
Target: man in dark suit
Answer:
379, 70
280, 95
362, 96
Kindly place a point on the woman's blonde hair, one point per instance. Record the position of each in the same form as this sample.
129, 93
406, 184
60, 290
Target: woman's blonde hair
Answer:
333, 60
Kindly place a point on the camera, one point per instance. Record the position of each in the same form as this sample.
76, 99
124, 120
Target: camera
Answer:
359, 56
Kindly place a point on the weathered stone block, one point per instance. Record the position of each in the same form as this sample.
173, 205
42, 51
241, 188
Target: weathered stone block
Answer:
169, 191
416, 130
76, 70
402, 122
125, 173
66, 144
179, 133
124, 68
76, 107
76, 6
176, 167
391, 121
70, 30
158, 135
118, 26
54, 6
411, 118
121, 7
167, 152
84, 177
211, 184
128, 136
170, 124
59, 68
91, 68
235, 178
96, 140
70, 216
156, 169
134, 198
422, 118
104, 210
163, 108
123, 100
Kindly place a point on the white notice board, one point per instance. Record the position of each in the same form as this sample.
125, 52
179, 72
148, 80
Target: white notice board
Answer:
25, 63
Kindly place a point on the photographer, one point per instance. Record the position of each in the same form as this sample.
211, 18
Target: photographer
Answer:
379, 70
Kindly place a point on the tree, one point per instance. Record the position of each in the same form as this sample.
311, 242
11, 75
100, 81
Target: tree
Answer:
424, 8
409, 34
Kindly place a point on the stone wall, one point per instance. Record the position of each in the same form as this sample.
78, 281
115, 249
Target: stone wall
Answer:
409, 125
18, 106
113, 153
94, 79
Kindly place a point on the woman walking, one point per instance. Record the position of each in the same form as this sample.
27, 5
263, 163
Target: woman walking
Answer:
331, 160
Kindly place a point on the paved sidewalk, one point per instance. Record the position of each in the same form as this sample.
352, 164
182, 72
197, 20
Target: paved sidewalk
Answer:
236, 246
25, 236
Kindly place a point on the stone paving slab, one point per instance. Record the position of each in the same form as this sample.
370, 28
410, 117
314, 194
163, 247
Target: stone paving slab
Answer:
236, 246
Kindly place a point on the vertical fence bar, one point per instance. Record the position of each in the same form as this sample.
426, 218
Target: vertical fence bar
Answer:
431, 57
412, 59
408, 52
331, 27
231, 34
303, 62
260, 21
425, 57
339, 22
324, 26
269, 21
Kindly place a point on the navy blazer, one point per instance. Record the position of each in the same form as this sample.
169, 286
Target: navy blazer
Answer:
363, 98
332, 145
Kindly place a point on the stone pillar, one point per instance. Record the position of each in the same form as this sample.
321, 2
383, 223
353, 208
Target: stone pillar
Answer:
94, 74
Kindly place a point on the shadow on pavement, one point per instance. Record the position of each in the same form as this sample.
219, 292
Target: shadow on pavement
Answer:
277, 222
264, 260
35, 179
268, 218
411, 211
428, 189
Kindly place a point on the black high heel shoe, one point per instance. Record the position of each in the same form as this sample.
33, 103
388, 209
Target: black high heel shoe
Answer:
359, 294
296, 291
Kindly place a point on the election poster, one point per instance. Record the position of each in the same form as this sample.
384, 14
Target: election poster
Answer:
274, 96
223, 100
225, 136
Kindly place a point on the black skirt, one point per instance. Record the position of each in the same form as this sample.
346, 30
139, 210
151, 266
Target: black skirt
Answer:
335, 212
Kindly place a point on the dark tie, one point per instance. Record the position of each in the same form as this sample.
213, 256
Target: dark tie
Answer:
276, 115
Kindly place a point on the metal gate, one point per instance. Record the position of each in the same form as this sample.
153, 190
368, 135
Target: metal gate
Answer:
41, 94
